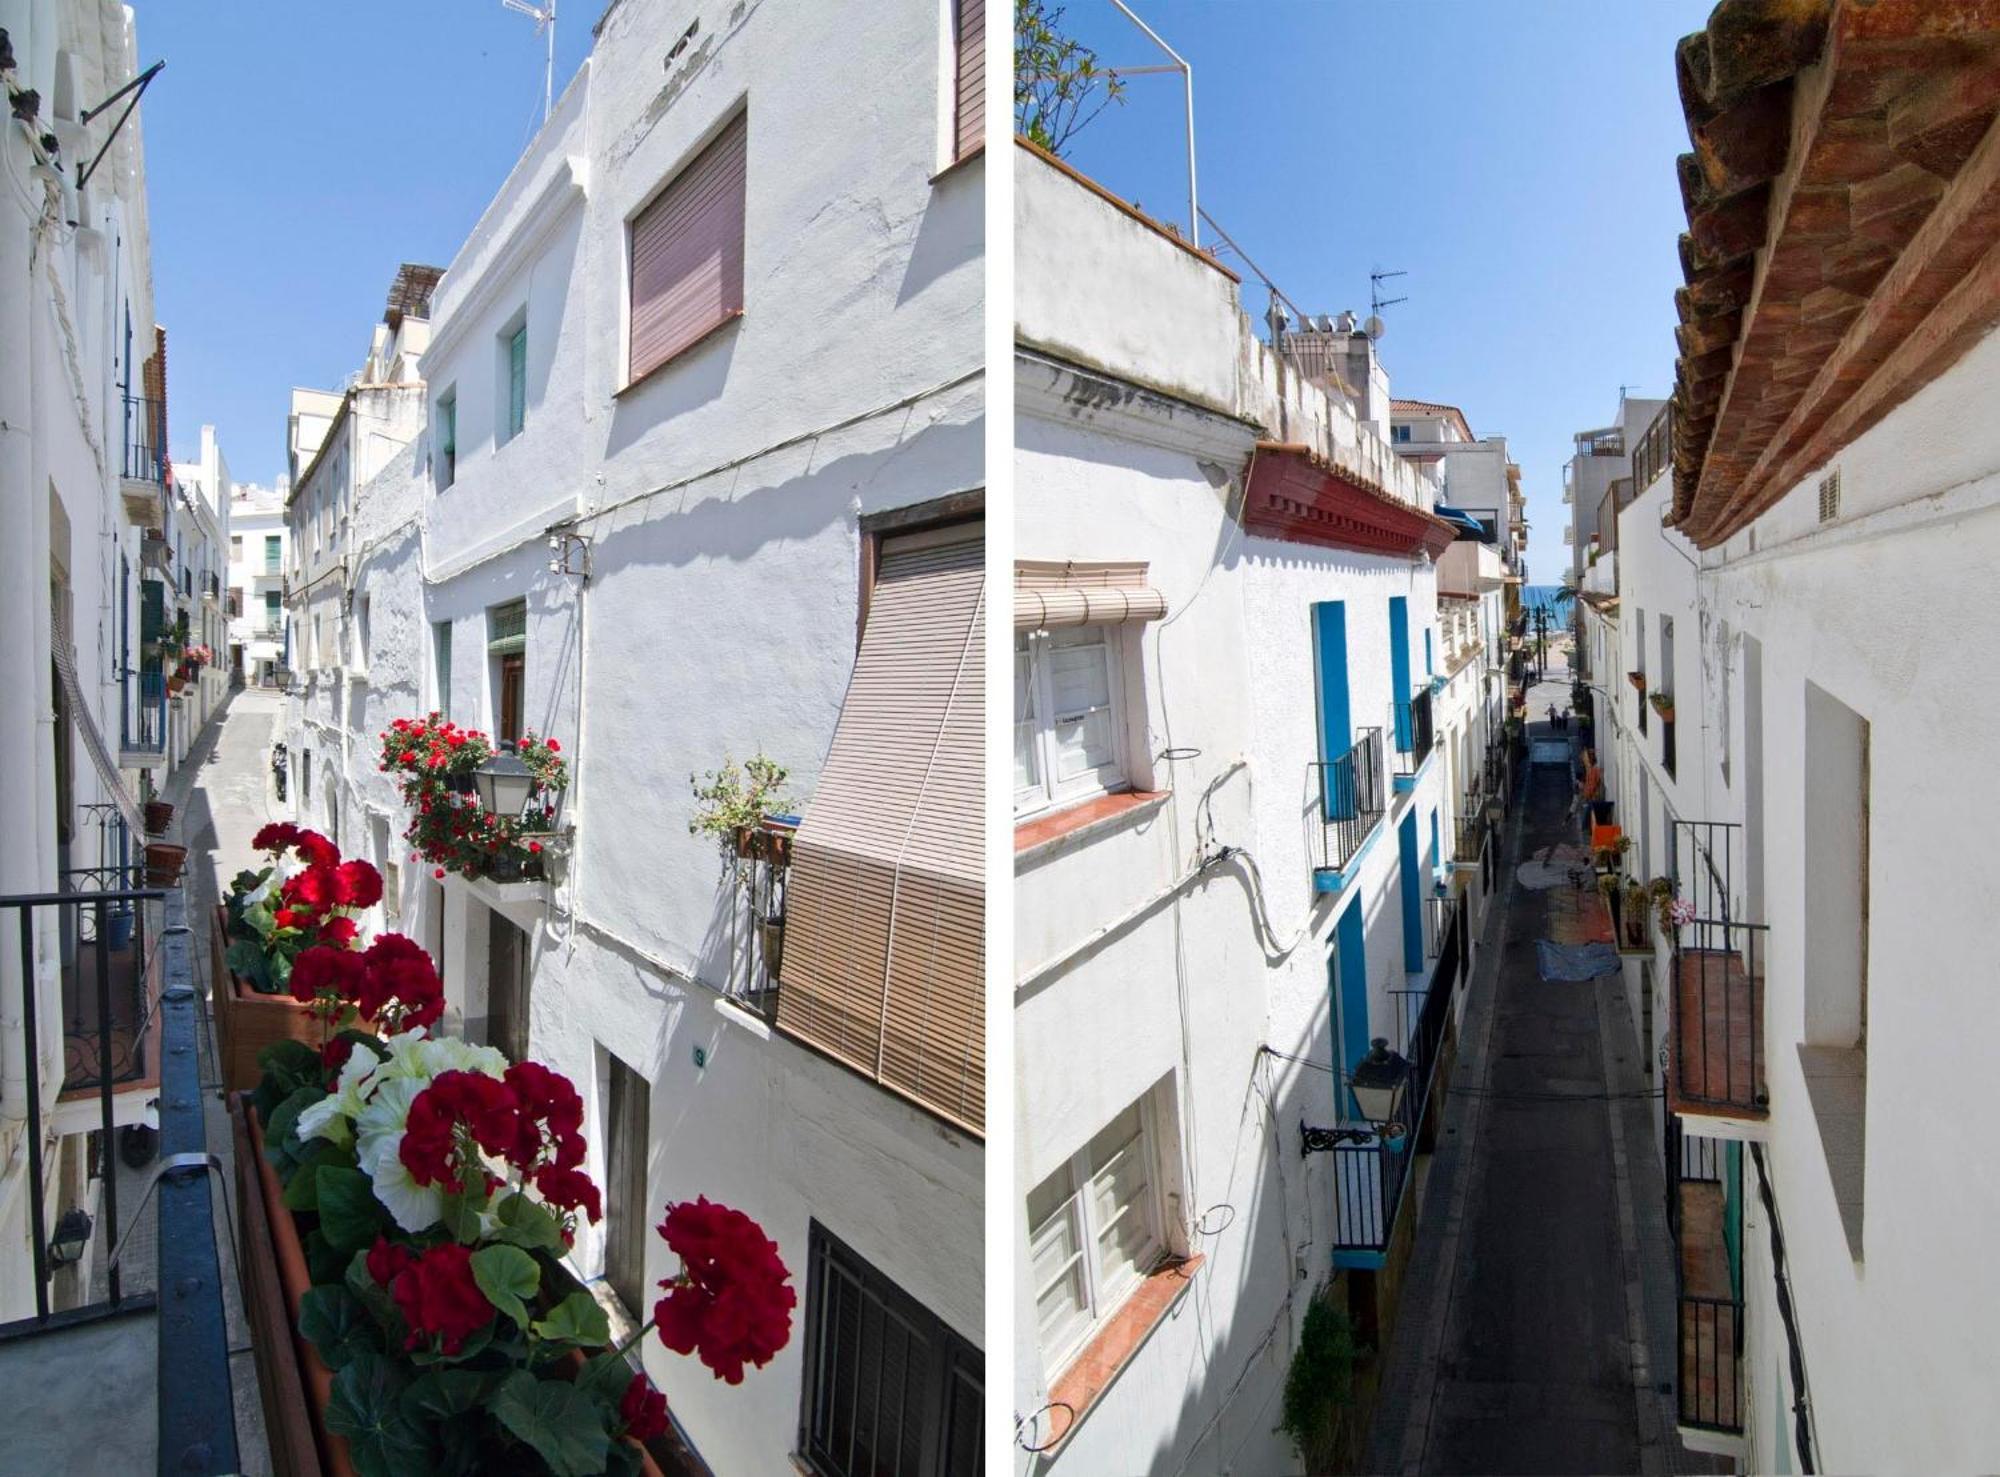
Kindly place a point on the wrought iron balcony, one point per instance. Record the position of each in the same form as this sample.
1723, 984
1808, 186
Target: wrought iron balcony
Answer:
1718, 981
142, 736
762, 867
1705, 1212
158, 1392
1348, 801
1412, 722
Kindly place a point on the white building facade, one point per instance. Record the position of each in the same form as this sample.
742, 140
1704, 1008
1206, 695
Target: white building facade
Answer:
258, 535
1230, 854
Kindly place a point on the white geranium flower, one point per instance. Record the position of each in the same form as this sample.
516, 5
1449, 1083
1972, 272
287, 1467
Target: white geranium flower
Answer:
379, 1150
262, 890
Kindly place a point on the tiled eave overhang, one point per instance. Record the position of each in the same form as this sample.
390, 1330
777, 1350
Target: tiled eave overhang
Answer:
1297, 495
1843, 243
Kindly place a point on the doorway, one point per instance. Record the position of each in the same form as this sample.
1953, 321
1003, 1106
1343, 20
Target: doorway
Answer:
626, 1211
506, 987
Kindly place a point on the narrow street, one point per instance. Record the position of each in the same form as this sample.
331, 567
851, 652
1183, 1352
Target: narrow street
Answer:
1540, 1290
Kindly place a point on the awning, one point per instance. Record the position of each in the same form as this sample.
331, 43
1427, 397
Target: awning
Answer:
885, 934
1052, 593
1464, 520
101, 757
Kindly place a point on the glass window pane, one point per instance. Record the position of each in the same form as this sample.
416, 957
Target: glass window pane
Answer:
1120, 1200
1027, 752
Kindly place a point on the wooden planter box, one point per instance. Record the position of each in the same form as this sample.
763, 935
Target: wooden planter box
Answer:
293, 1383
247, 1021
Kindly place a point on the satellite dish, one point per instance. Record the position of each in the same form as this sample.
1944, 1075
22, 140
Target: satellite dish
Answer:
1374, 327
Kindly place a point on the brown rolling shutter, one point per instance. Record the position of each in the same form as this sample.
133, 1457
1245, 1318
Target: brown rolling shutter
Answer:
1050, 594
687, 254
970, 128
886, 926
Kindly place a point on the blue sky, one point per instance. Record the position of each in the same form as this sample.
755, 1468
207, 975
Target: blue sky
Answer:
1516, 159
297, 151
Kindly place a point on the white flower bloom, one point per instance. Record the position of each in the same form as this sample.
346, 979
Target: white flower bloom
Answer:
379, 1151
262, 890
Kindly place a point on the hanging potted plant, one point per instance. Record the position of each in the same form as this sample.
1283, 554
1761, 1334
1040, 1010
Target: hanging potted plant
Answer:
406, 1203
305, 898
163, 863
733, 803
159, 815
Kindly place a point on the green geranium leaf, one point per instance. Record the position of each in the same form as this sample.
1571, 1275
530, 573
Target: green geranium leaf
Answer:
366, 1408
622, 1460
280, 1130
564, 1426
605, 1377
294, 1059
375, 1298
246, 959
476, 1343
577, 1319
323, 1259
334, 1322
527, 1223
349, 1214
302, 1190
509, 1277
440, 1394
462, 1215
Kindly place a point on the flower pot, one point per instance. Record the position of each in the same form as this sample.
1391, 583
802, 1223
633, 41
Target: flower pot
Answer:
247, 1020
175, 683
772, 930
163, 863
293, 1381
159, 815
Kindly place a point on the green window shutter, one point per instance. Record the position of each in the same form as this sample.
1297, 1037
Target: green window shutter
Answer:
517, 381
444, 667
507, 628
273, 552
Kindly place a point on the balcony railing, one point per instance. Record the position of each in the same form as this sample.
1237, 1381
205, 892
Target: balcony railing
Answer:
143, 717
1349, 804
1370, 1178
1655, 452
1718, 980
1704, 1179
165, 1353
1668, 757
106, 973
763, 866
145, 443
1412, 720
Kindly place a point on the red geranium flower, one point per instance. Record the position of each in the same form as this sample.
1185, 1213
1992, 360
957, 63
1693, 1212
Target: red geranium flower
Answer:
484, 1105
337, 930
643, 1410
440, 1298
400, 972
317, 886
323, 968
733, 1301
358, 884
386, 1258
569, 1189
275, 837
333, 1056
291, 917
317, 850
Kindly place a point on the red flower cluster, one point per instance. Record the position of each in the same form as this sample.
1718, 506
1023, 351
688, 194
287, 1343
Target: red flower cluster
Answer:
392, 981
733, 1301
282, 836
436, 1291
433, 761
643, 1410
532, 1118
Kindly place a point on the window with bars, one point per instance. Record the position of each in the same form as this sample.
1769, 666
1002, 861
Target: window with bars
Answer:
1094, 1232
888, 1387
1068, 716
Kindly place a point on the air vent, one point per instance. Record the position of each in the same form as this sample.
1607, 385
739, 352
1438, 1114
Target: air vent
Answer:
1829, 496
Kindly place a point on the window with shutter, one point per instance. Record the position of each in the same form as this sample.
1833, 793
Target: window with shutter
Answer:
969, 128
507, 648
888, 1386
447, 439
686, 250
885, 933
517, 382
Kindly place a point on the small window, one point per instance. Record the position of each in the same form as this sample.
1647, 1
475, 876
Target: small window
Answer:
361, 611
969, 120
507, 647
1829, 496
1399, 433
1093, 1233
515, 403
274, 617
1068, 718
888, 1386
441, 652
686, 251
235, 546
447, 439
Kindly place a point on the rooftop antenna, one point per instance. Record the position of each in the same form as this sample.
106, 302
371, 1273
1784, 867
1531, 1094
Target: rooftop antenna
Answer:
1178, 64
1375, 327
544, 17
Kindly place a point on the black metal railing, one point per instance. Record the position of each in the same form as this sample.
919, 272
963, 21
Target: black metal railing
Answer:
143, 715
1718, 974
1654, 452
1369, 1179
1414, 731
1667, 756
1472, 828
187, 1335
1705, 1185
106, 965
1348, 799
762, 868
145, 441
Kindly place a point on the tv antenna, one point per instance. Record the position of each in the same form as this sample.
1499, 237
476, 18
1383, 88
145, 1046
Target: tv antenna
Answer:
1375, 327
544, 17
1175, 63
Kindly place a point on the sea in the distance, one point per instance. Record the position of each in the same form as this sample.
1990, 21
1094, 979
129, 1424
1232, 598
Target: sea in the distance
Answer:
1534, 596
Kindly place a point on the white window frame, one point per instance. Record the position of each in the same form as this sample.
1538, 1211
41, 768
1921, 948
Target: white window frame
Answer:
1101, 1303
1049, 793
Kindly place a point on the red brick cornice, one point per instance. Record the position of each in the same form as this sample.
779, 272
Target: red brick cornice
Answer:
1297, 495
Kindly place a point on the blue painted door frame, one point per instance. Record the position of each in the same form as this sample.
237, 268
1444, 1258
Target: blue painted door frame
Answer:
1348, 968
1413, 905
1399, 667
1336, 724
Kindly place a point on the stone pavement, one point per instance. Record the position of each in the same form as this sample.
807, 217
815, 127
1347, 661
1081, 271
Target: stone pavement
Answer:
1536, 1328
221, 795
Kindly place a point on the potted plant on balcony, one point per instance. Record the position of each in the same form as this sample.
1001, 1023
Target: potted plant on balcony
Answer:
434, 764
1663, 704
159, 815
733, 802
406, 1202
1637, 679
305, 898
1635, 919
163, 863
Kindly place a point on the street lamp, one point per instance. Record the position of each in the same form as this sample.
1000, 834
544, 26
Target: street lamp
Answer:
71, 1237
1378, 1081
504, 784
